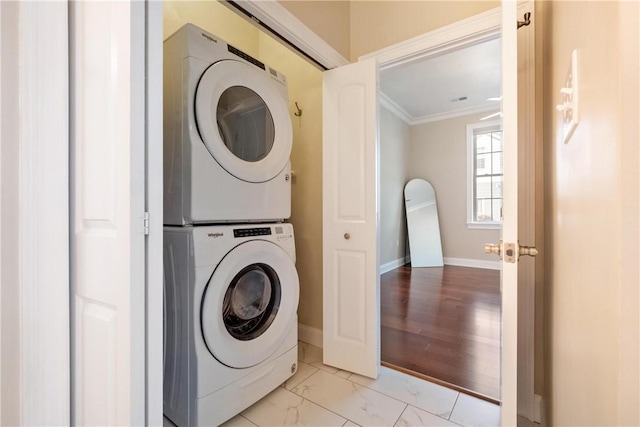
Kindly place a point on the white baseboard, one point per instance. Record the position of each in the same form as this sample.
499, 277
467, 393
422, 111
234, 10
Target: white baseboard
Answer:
384, 268
310, 335
475, 263
538, 410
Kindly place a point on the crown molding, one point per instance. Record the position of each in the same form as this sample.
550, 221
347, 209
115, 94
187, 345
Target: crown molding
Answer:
403, 115
453, 114
394, 108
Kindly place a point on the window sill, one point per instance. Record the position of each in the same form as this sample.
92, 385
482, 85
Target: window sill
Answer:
484, 225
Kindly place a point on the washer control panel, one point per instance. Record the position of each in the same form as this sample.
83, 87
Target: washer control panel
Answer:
280, 232
251, 232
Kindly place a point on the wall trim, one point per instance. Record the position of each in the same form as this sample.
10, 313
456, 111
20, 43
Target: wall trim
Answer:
310, 335
474, 263
392, 265
538, 410
271, 15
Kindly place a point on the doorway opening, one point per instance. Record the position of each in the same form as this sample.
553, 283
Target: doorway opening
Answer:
443, 322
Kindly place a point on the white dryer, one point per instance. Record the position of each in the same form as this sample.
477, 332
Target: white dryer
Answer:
230, 318
227, 134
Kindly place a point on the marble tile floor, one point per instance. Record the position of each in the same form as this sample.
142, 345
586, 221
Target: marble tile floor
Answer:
320, 395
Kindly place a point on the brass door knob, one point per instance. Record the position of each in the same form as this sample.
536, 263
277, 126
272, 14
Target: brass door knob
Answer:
493, 249
527, 250
347, 236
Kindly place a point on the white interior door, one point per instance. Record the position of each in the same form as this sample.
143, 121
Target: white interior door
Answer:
107, 208
509, 264
351, 284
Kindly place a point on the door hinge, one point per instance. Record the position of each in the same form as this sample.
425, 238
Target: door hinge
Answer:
146, 223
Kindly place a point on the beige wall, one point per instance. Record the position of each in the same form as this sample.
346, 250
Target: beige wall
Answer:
328, 19
213, 17
305, 87
394, 145
357, 27
438, 153
378, 24
592, 187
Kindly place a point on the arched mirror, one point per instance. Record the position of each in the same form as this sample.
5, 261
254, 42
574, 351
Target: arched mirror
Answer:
422, 224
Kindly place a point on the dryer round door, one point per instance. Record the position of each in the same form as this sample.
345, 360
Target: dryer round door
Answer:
249, 304
243, 120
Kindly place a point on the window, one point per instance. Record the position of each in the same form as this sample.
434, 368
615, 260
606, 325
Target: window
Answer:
484, 170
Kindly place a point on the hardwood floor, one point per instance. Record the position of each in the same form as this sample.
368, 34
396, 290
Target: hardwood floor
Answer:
444, 322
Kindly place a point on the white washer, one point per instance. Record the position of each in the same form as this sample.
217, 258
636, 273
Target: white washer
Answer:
227, 134
230, 318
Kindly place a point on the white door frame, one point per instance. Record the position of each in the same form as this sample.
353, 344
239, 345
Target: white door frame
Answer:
153, 205
482, 27
34, 260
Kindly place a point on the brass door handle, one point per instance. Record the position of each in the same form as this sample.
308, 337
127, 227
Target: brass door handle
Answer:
347, 236
510, 251
527, 250
493, 249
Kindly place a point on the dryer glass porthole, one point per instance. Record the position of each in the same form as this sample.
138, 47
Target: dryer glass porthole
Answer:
245, 123
251, 302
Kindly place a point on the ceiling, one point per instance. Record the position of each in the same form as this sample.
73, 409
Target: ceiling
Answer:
445, 86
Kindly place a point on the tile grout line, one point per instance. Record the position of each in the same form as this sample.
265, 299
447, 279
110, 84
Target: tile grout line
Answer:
401, 413
317, 404
248, 420
354, 383
453, 407
402, 401
458, 393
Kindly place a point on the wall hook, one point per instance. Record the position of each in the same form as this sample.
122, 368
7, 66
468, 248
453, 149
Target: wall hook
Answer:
299, 112
527, 20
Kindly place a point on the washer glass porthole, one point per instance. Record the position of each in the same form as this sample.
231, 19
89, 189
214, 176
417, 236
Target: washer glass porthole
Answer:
251, 302
245, 123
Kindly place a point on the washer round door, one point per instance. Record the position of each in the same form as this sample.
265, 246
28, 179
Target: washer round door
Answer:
243, 120
249, 304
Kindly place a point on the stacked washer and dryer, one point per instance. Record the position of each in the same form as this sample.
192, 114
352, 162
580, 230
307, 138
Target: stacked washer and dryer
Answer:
230, 284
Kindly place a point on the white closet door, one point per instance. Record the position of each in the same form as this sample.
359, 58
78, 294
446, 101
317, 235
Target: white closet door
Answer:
107, 206
351, 329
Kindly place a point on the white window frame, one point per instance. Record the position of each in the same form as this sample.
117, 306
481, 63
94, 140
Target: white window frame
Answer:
471, 129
